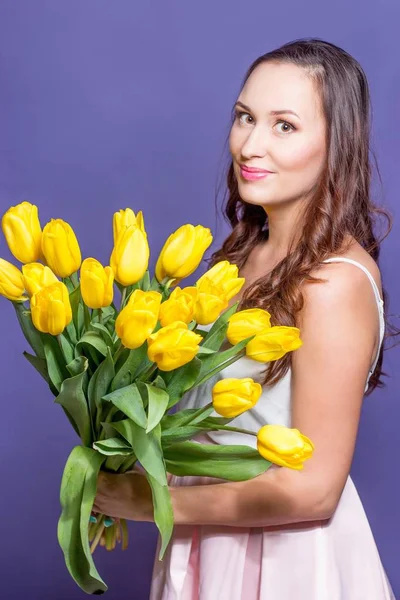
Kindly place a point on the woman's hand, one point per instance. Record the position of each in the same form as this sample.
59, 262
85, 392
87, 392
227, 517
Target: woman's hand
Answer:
124, 496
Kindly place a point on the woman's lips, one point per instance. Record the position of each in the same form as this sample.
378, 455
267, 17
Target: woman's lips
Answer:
253, 175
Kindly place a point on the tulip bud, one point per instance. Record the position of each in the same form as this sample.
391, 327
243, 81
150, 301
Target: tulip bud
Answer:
173, 346
209, 305
22, 230
11, 282
51, 309
183, 252
123, 219
179, 306
248, 322
283, 446
130, 256
138, 318
273, 343
96, 283
60, 248
231, 397
224, 277
37, 276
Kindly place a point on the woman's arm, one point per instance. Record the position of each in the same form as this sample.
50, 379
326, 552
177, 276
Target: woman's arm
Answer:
339, 328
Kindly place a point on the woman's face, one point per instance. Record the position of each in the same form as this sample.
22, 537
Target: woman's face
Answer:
291, 146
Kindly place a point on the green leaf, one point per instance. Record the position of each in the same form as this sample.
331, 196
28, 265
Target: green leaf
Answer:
113, 446
186, 416
32, 335
231, 462
145, 282
163, 513
77, 311
146, 446
203, 350
180, 434
182, 379
93, 341
77, 494
77, 365
73, 400
98, 386
67, 348
129, 368
217, 333
104, 333
39, 364
55, 361
129, 401
214, 363
157, 401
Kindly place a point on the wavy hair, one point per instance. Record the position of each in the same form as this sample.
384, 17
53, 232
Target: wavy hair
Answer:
341, 204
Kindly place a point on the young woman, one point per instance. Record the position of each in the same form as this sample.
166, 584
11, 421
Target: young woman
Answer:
302, 235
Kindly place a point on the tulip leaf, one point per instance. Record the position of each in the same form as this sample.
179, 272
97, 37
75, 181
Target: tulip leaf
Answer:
231, 462
55, 361
77, 311
113, 446
129, 401
157, 402
39, 364
77, 494
77, 365
145, 282
163, 513
67, 349
217, 333
104, 333
94, 341
214, 363
146, 446
204, 350
98, 386
184, 417
180, 434
127, 372
180, 380
32, 335
154, 285
73, 400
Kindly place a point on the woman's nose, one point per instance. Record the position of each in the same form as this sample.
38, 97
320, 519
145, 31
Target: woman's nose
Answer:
256, 143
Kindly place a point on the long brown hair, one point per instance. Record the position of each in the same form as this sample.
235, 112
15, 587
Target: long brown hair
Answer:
340, 206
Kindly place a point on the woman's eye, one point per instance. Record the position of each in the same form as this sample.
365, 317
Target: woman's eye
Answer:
240, 115
292, 128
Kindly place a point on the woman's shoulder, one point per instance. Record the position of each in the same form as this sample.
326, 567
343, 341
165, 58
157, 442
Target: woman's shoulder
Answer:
343, 275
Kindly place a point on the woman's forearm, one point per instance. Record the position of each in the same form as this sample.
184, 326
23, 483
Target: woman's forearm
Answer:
277, 497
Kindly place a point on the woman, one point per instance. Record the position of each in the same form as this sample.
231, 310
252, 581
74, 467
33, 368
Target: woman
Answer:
301, 215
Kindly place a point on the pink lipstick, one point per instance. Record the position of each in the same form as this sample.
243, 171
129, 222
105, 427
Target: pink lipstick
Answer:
252, 173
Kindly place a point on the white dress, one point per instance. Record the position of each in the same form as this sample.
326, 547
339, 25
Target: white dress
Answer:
335, 560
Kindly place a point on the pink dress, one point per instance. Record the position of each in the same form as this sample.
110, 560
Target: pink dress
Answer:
333, 560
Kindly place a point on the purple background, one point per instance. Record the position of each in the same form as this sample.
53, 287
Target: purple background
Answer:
105, 105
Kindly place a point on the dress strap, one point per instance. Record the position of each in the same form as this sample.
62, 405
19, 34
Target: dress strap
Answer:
378, 299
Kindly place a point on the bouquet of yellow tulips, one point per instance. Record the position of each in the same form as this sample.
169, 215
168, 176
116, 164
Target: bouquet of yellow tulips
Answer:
118, 372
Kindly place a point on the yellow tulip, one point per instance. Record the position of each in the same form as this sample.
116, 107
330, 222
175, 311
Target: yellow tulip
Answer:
173, 346
223, 276
246, 323
37, 276
138, 318
124, 218
22, 230
183, 252
60, 248
232, 397
51, 309
11, 282
273, 343
130, 256
179, 306
96, 283
209, 305
284, 446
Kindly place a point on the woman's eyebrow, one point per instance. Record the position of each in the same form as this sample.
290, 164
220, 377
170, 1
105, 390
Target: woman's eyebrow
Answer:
272, 112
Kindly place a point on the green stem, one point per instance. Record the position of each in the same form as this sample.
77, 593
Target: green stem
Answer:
86, 316
74, 279
118, 352
100, 314
238, 429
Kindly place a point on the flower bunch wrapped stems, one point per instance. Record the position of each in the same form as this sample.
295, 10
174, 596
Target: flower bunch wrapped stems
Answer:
119, 371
